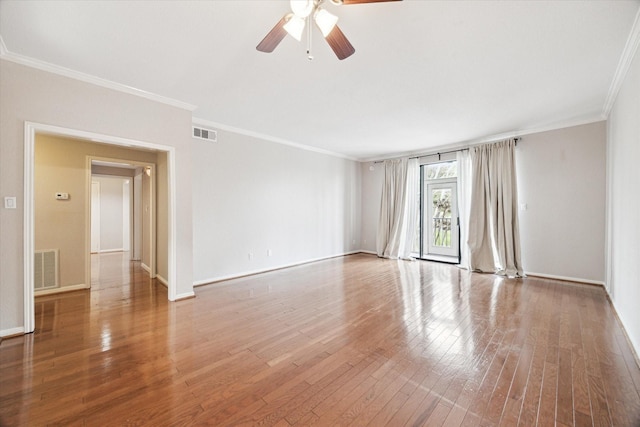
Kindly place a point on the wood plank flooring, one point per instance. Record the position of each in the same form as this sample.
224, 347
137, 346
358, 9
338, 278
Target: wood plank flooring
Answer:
349, 341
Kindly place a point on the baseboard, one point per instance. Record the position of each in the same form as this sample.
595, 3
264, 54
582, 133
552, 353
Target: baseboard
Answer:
162, 280
145, 267
565, 278
108, 251
635, 351
60, 290
13, 332
186, 295
268, 269
368, 252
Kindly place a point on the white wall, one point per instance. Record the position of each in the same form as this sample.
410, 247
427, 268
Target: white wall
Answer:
371, 195
252, 196
30, 94
623, 216
561, 179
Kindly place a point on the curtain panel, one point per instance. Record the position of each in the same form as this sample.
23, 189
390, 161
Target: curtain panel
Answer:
398, 209
464, 204
493, 233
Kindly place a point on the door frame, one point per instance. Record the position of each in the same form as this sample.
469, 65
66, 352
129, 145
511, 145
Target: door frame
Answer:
30, 130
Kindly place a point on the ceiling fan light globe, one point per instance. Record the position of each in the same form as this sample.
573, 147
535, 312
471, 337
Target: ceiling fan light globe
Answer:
294, 27
325, 21
302, 8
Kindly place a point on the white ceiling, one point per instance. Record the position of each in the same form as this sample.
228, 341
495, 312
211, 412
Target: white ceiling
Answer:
425, 74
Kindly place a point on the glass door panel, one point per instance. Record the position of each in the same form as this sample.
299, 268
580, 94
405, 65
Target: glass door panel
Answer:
440, 220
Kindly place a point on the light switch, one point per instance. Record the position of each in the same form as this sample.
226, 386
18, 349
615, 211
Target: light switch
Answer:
523, 206
9, 202
62, 196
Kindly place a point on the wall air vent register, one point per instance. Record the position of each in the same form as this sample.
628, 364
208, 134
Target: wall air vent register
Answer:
206, 134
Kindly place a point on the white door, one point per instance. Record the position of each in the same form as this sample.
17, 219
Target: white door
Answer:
95, 217
440, 220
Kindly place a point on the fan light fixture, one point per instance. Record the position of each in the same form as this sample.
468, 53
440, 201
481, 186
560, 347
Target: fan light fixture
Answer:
295, 26
294, 22
302, 8
325, 21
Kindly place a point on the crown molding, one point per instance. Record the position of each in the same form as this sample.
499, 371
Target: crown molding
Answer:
87, 78
492, 138
270, 138
624, 64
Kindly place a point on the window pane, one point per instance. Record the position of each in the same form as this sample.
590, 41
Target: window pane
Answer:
442, 170
441, 220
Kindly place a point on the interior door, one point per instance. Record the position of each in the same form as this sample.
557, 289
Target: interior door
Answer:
440, 221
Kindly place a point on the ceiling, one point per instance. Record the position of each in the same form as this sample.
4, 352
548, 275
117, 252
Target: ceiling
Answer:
426, 74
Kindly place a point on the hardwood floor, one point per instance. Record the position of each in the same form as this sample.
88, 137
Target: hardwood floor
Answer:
349, 341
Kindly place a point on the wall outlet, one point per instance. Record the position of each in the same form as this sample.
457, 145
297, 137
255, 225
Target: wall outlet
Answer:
269, 252
250, 256
62, 196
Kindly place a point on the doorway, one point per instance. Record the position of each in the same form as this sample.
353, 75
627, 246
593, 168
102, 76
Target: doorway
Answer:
168, 153
127, 223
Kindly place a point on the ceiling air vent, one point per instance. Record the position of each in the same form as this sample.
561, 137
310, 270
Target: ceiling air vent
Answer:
206, 134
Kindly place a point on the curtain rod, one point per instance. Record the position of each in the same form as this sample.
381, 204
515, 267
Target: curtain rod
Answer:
443, 152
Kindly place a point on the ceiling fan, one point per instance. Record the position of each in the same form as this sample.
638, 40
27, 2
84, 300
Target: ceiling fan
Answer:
302, 13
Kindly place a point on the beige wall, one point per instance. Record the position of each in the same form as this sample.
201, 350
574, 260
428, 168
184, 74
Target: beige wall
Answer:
61, 166
278, 203
29, 94
561, 179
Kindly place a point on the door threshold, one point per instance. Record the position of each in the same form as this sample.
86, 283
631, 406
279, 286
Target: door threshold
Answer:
442, 258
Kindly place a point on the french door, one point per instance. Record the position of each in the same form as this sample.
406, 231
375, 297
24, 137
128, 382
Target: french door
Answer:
440, 220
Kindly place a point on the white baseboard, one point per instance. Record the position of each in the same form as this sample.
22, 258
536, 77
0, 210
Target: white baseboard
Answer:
565, 278
634, 349
162, 280
108, 251
369, 252
12, 332
61, 289
266, 270
185, 295
145, 267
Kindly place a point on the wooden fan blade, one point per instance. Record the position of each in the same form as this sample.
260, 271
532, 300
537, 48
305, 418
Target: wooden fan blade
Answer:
274, 37
365, 1
339, 43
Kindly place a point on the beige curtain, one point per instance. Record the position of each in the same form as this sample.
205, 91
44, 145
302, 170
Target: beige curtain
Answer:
494, 238
398, 209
